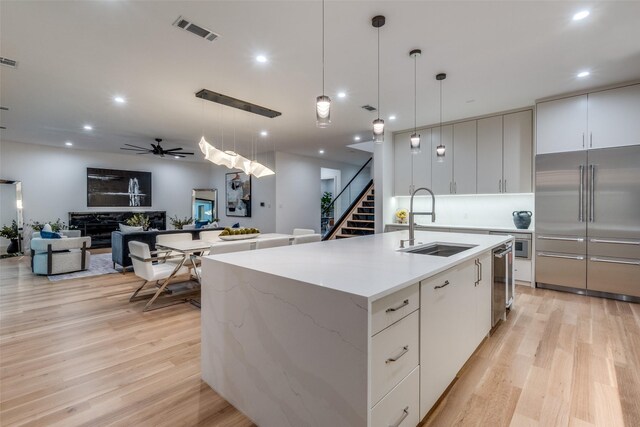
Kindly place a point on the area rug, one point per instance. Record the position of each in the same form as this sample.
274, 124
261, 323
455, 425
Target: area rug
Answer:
100, 264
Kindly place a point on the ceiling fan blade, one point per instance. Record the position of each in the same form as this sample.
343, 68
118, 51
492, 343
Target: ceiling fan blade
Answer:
136, 146
135, 149
146, 152
188, 154
174, 149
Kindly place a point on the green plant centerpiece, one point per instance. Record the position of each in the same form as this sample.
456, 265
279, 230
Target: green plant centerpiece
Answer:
179, 223
139, 220
238, 231
325, 202
56, 225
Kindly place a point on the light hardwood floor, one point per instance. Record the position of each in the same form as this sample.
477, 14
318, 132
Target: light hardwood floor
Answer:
77, 353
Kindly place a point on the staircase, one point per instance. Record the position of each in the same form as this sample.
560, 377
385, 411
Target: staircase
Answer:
359, 220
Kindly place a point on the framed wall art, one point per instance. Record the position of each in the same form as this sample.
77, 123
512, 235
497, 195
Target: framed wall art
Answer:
238, 194
111, 187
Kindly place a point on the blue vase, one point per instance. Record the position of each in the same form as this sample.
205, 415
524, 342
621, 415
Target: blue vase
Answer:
522, 219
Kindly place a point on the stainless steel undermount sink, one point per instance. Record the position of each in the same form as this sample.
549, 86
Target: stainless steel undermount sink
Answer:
439, 249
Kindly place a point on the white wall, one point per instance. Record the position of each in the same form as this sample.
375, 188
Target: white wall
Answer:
383, 181
486, 210
54, 180
298, 189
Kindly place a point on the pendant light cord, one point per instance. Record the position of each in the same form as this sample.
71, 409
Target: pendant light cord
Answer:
322, 47
378, 73
440, 112
415, 91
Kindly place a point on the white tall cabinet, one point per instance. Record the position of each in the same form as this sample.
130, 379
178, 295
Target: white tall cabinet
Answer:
464, 157
490, 155
411, 170
607, 118
442, 168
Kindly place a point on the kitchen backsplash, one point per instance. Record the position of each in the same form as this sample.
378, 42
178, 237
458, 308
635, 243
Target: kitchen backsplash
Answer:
485, 210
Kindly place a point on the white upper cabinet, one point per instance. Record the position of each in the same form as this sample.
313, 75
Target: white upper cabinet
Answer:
490, 155
401, 164
517, 153
442, 171
464, 157
561, 125
422, 161
614, 117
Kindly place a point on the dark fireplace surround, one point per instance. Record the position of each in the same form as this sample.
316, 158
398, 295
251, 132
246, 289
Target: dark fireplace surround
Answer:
99, 225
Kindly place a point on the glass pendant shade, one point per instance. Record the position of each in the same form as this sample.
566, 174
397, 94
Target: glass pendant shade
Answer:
440, 152
323, 111
233, 160
378, 130
415, 143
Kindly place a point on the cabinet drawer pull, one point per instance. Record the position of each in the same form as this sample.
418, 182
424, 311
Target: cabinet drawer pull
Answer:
577, 258
446, 283
405, 414
564, 239
616, 242
404, 351
404, 303
612, 261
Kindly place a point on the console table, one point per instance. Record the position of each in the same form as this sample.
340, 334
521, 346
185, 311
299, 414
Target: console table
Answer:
99, 225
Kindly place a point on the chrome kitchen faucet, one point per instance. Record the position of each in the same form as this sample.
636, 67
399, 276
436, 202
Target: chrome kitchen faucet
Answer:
412, 214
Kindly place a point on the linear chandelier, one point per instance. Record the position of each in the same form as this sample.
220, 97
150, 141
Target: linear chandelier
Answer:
233, 160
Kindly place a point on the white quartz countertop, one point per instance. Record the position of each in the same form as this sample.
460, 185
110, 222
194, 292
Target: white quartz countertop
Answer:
368, 266
529, 230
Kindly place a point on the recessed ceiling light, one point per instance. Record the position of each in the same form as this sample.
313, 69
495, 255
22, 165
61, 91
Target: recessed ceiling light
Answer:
392, 117
119, 99
87, 127
583, 74
356, 138
342, 94
320, 151
68, 143
264, 133
581, 15
261, 58
176, 157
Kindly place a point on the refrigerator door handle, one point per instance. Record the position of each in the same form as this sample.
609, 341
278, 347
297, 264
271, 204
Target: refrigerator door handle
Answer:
614, 261
580, 195
546, 255
616, 242
592, 182
565, 239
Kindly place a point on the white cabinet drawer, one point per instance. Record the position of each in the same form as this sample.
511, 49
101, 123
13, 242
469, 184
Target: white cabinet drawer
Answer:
394, 353
394, 307
399, 408
522, 270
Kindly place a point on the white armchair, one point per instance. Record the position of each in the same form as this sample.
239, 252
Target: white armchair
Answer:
307, 238
57, 256
302, 231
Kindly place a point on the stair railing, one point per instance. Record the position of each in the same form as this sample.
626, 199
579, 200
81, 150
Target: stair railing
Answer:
344, 199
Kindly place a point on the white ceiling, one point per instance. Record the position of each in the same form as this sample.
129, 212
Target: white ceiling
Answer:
75, 56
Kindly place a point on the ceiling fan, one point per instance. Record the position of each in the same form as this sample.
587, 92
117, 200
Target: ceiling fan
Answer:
157, 150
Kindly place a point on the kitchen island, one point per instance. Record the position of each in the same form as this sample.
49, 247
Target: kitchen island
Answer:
350, 332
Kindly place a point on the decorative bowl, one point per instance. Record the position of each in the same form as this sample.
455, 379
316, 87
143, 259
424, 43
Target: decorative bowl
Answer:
240, 237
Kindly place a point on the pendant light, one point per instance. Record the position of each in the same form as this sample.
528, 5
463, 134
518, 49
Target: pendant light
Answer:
415, 137
323, 102
440, 149
378, 124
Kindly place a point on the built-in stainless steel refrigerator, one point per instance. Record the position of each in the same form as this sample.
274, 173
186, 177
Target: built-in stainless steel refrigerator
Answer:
588, 221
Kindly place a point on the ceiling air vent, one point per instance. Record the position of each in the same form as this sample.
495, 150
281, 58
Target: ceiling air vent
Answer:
369, 107
195, 29
8, 62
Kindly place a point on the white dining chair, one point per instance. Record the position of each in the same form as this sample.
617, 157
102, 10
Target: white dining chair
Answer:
307, 238
302, 231
173, 237
210, 235
151, 267
272, 243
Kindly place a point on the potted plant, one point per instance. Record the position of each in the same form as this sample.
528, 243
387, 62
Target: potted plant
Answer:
139, 220
178, 223
325, 203
56, 225
11, 232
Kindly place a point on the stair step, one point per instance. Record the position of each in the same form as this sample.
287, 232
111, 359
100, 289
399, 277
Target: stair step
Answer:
366, 210
357, 228
370, 197
368, 204
363, 217
368, 225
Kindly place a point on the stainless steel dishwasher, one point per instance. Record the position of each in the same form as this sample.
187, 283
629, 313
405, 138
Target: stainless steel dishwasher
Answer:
503, 282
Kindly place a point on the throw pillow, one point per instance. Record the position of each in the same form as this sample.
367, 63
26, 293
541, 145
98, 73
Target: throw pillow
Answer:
129, 229
236, 225
47, 227
49, 235
201, 224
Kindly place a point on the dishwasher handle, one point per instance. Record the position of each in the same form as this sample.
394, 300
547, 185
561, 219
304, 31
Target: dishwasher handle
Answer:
503, 252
